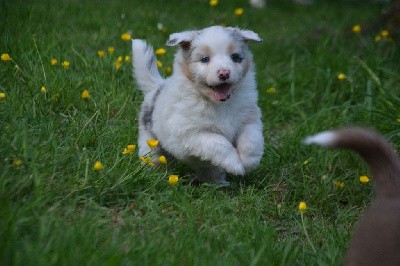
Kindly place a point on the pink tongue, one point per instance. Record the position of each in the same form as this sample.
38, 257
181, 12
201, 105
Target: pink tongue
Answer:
222, 92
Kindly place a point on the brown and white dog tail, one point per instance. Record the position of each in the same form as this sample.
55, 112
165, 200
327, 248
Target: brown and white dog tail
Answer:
373, 148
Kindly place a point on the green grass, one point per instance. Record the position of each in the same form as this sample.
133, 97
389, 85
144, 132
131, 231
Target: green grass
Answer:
55, 210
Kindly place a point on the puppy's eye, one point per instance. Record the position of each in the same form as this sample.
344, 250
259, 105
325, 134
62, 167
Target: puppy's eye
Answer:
236, 58
205, 59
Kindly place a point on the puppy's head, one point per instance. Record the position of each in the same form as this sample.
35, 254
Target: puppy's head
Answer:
214, 59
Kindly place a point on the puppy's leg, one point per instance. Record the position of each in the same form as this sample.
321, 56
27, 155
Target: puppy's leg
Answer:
211, 174
144, 149
216, 149
250, 146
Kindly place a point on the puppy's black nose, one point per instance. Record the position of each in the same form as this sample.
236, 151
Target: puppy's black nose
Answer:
223, 74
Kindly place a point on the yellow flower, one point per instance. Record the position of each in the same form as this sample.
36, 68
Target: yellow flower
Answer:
160, 51
147, 160
305, 162
271, 90
5, 57
98, 166
110, 49
173, 180
162, 159
338, 184
17, 162
85, 94
239, 11
65, 64
117, 64
384, 33
213, 2
152, 143
120, 59
3, 95
168, 70
127, 58
356, 28
43, 89
302, 206
377, 38
101, 53
341, 76
53, 61
364, 179
126, 37
159, 64
398, 120
129, 149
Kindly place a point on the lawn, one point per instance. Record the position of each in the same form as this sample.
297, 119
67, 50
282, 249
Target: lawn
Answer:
57, 209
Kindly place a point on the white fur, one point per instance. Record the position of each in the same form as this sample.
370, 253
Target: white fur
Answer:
145, 65
324, 139
213, 137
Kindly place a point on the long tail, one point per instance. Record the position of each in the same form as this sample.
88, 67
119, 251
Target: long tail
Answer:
373, 148
145, 69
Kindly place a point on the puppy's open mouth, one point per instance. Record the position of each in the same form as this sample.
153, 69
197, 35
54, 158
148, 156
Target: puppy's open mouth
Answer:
221, 92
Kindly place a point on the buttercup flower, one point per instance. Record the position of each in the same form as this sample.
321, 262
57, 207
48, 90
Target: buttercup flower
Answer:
159, 64
385, 33
338, 184
53, 61
305, 162
377, 38
65, 64
173, 180
356, 28
17, 162
85, 94
126, 37
43, 89
129, 149
168, 70
271, 90
3, 95
213, 2
341, 76
98, 166
364, 179
147, 160
117, 64
160, 51
162, 159
111, 49
5, 57
398, 120
152, 143
120, 59
239, 11
302, 206
127, 58
101, 53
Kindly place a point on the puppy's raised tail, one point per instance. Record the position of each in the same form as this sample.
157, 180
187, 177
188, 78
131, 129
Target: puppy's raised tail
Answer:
145, 69
373, 148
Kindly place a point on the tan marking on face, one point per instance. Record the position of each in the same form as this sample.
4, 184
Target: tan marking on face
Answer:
185, 68
232, 48
247, 65
205, 50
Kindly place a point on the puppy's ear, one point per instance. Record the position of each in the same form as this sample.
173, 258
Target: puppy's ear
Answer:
247, 35
184, 39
